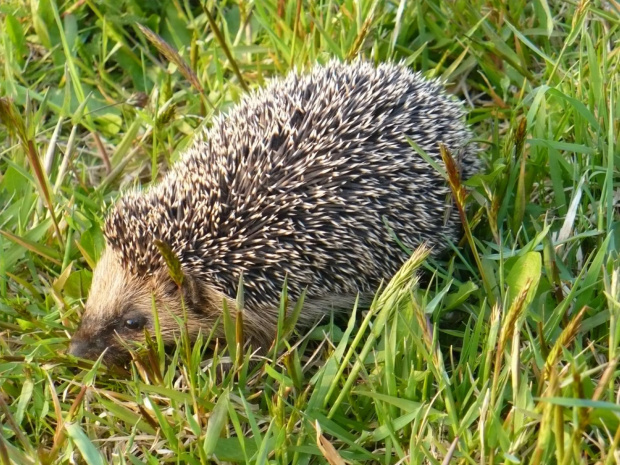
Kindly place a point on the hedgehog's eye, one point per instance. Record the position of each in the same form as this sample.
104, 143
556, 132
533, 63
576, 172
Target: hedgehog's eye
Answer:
134, 323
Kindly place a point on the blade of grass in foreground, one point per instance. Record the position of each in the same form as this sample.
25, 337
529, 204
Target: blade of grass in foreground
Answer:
89, 452
387, 303
14, 122
459, 193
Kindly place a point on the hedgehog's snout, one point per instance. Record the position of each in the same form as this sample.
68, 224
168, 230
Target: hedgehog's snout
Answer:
90, 348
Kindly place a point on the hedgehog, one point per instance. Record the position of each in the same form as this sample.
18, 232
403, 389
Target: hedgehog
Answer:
311, 181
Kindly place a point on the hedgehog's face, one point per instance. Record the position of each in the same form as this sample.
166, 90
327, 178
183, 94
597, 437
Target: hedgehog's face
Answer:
120, 308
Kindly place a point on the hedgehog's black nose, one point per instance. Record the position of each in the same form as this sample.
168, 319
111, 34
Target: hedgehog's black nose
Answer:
78, 348
85, 348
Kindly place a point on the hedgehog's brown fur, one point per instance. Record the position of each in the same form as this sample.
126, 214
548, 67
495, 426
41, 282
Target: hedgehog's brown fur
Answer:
117, 294
307, 179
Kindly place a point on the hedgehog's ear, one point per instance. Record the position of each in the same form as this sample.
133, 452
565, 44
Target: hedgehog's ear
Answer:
191, 290
177, 279
173, 262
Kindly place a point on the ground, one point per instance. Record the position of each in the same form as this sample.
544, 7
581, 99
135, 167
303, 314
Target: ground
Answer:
505, 351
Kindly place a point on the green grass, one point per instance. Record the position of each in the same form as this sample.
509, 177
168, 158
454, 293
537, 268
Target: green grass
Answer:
507, 353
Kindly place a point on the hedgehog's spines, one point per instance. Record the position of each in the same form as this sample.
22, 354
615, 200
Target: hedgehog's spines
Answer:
297, 180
